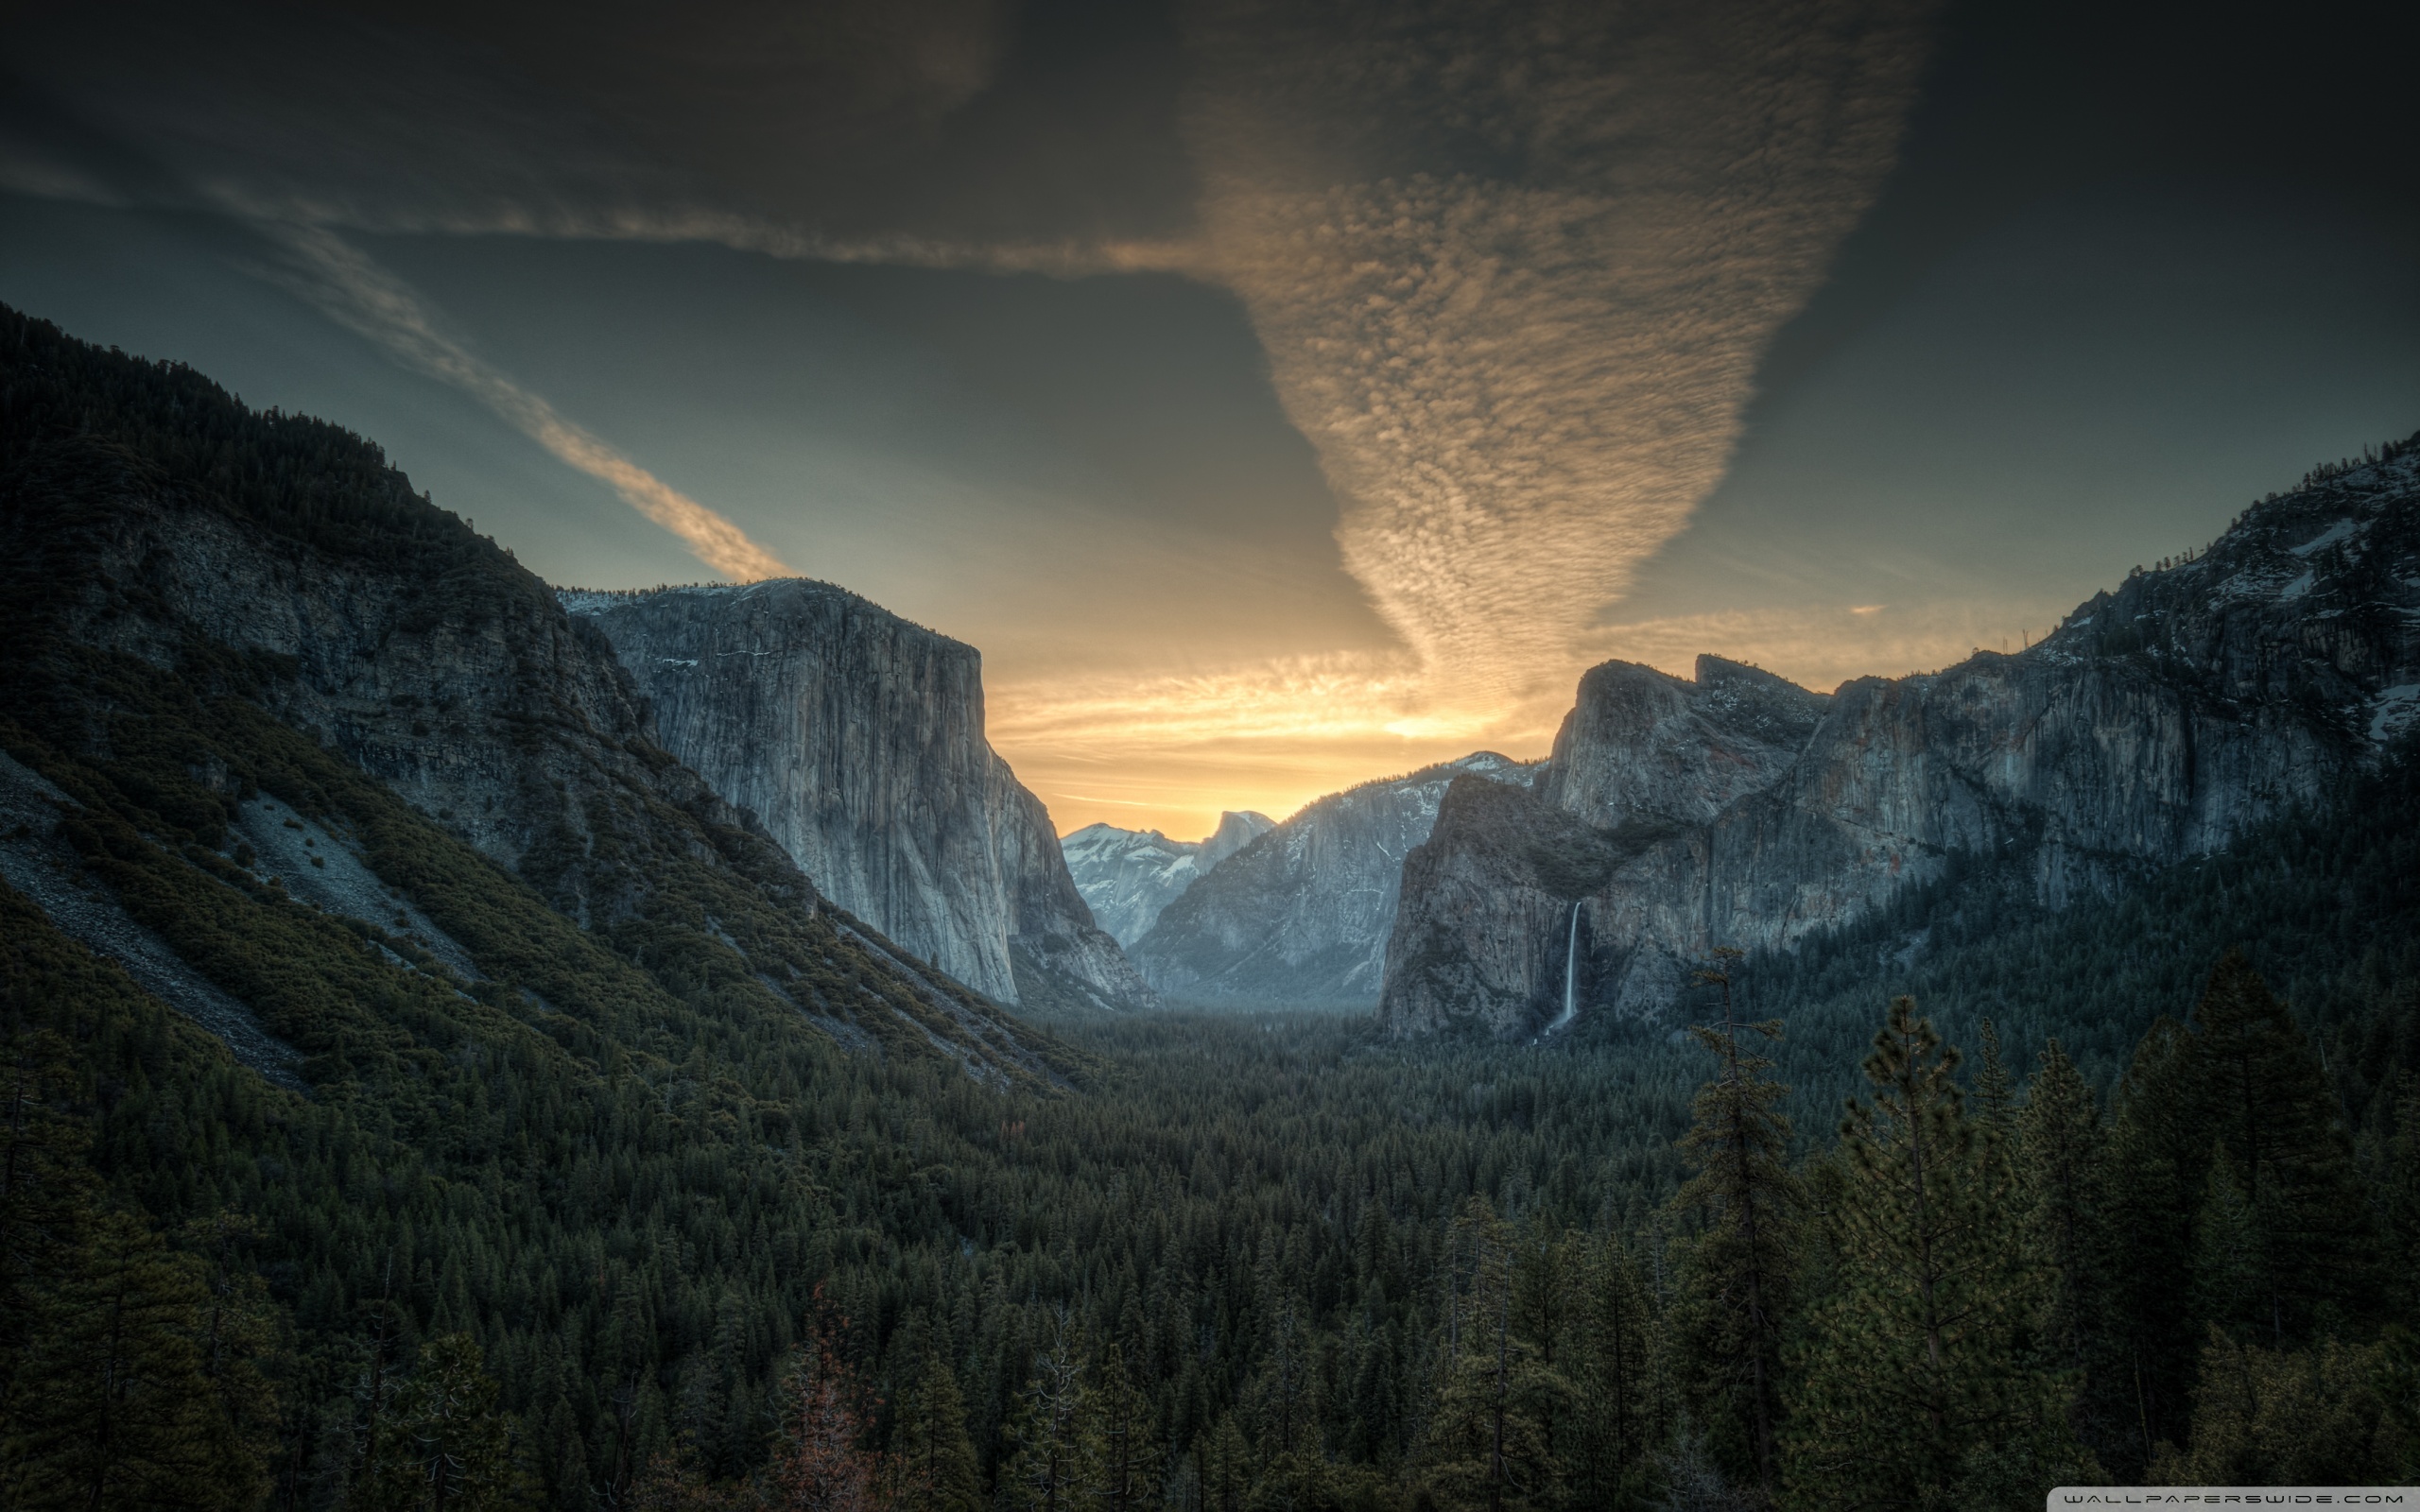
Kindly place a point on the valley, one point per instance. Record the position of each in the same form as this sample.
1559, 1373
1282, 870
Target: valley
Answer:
648, 1050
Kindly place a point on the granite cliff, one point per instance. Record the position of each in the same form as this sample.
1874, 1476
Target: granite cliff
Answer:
257, 683
2157, 724
1128, 876
856, 739
1303, 913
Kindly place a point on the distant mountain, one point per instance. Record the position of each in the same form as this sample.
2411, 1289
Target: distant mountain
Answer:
1303, 913
856, 739
2157, 724
1129, 875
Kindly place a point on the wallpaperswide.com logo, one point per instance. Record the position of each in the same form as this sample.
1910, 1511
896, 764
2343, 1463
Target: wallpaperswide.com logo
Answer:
2198, 1496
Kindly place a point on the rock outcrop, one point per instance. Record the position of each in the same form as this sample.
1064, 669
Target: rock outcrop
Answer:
187, 585
856, 739
2157, 724
1302, 914
1128, 876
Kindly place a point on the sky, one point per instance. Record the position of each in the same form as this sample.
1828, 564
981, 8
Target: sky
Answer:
1278, 395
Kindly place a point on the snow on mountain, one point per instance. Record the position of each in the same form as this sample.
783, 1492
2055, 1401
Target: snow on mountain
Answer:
1128, 876
1302, 914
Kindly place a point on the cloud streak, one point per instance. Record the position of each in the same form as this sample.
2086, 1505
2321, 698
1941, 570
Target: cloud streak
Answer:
1514, 267
353, 290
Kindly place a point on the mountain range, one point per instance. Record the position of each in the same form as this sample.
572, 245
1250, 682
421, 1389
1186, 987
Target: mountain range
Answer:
2157, 724
1128, 876
1301, 915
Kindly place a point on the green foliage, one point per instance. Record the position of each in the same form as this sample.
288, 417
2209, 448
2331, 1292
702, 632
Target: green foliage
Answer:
579, 1233
938, 1470
444, 1441
2309, 1417
115, 1403
1918, 1386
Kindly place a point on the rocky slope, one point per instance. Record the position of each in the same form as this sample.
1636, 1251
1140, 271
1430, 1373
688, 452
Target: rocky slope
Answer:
856, 739
2157, 723
239, 639
1129, 875
1302, 914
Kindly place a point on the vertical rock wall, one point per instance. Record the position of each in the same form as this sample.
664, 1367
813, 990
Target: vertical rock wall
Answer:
2157, 724
856, 740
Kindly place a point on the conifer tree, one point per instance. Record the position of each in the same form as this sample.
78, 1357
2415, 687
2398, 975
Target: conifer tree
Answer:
936, 1459
456, 1441
1996, 1109
2261, 1086
1914, 1391
1117, 1441
1044, 1466
2062, 1175
1739, 1274
1226, 1467
821, 1462
2062, 1151
2401, 1194
112, 1405
2159, 1148
1487, 1444
1619, 1395
2285, 1418
2230, 1256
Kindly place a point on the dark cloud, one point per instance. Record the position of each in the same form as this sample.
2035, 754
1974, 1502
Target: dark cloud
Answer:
792, 127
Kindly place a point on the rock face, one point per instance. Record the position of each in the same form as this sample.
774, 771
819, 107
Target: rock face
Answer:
2154, 725
1128, 876
856, 739
298, 581
1303, 913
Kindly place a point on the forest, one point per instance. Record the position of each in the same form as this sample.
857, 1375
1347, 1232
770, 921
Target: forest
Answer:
1274, 1262
1966, 1201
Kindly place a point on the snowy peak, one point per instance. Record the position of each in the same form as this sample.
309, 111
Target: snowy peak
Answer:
1302, 914
1127, 876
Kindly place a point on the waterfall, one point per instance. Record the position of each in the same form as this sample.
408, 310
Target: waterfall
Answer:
1570, 975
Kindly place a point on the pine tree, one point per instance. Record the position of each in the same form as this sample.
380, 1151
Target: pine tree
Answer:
2159, 1150
2230, 1290
112, 1404
455, 1439
2310, 1417
1116, 1441
1913, 1390
1619, 1396
1226, 1468
937, 1467
2062, 1173
2261, 1086
1487, 1445
1739, 1274
1043, 1468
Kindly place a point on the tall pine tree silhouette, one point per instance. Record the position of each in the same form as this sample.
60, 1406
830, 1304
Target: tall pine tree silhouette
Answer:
2063, 1172
2262, 1090
1739, 1273
1915, 1389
